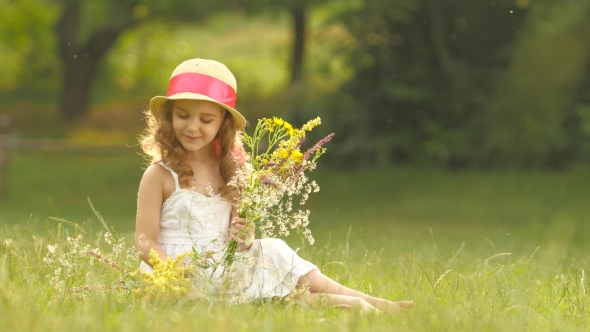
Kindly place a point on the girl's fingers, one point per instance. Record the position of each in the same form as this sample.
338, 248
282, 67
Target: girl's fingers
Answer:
233, 237
240, 230
239, 221
240, 227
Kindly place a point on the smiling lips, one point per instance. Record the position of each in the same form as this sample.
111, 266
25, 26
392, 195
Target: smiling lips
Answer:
190, 138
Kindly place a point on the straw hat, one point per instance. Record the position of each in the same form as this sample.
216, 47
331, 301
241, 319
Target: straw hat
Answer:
203, 79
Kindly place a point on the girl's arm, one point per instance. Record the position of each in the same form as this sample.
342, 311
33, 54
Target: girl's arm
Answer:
147, 223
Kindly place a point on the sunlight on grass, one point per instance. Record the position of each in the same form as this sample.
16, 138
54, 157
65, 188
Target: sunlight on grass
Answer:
459, 290
474, 250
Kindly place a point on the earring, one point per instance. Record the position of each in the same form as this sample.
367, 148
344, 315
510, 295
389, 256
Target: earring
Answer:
217, 147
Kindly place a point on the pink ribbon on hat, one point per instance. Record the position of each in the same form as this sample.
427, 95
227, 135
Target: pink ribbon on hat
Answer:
205, 85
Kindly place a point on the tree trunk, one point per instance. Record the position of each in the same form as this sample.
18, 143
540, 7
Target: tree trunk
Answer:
78, 75
5, 126
526, 120
438, 36
80, 62
299, 17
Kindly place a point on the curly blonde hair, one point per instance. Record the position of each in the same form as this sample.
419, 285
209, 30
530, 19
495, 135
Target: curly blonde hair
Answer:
159, 144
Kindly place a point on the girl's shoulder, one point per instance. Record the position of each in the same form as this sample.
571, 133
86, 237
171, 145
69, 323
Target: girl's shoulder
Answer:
158, 178
157, 174
155, 170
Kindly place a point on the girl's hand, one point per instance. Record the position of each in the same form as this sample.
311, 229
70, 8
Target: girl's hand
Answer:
243, 232
204, 263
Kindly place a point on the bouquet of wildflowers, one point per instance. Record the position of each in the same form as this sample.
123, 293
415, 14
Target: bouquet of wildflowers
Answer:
276, 178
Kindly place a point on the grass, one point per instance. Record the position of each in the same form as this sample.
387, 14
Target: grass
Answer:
43, 185
475, 250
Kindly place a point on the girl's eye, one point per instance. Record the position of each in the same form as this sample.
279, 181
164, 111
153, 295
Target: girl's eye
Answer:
180, 116
206, 121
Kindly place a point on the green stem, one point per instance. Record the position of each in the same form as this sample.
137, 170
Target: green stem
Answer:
232, 247
230, 254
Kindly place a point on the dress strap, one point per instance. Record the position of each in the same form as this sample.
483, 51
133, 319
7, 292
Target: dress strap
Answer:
174, 175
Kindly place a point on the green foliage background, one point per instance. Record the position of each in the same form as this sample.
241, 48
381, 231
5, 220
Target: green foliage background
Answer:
453, 83
456, 122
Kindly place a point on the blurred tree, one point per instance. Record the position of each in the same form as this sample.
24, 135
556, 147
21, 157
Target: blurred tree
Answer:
25, 42
83, 47
527, 118
88, 29
577, 122
299, 11
422, 74
5, 123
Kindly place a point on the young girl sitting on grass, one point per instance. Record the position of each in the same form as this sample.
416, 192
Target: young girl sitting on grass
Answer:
184, 202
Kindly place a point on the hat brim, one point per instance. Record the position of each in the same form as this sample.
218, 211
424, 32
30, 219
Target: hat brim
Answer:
157, 102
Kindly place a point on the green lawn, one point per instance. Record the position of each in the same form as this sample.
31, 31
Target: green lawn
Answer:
43, 185
475, 250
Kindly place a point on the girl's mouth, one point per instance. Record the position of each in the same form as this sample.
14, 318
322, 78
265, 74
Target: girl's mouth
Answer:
190, 138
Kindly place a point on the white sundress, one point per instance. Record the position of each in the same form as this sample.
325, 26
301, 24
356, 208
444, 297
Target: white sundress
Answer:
270, 268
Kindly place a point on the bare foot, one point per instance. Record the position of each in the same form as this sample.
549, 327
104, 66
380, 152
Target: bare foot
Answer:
363, 306
394, 307
359, 304
339, 301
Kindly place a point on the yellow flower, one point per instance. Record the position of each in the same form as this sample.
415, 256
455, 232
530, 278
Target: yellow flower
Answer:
284, 153
287, 125
278, 121
297, 156
312, 124
293, 142
169, 279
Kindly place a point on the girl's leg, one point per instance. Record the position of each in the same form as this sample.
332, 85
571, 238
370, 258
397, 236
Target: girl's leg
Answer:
337, 301
319, 283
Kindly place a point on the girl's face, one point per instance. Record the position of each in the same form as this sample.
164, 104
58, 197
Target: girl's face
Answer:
196, 123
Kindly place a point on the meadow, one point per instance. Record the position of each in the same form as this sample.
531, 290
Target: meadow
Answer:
475, 250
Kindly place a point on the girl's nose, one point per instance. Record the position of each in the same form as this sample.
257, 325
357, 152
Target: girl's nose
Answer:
193, 125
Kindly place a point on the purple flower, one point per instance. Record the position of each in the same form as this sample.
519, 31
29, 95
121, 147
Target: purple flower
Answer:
318, 145
308, 153
266, 180
300, 143
269, 164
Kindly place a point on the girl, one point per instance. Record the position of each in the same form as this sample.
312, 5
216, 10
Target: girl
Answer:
184, 202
